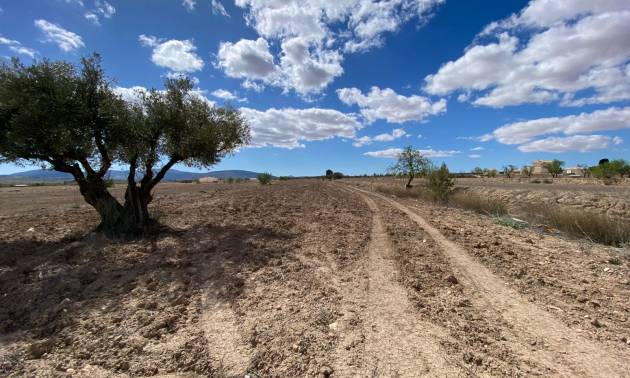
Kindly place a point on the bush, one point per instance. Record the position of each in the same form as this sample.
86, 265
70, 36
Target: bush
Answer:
283, 178
440, 183
337, 175
229, 180
264, 178
514, 223
535, 181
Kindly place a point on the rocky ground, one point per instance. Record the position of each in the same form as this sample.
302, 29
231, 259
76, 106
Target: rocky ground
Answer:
302, 278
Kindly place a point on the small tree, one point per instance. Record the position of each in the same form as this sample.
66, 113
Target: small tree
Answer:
329, 174
477, 171
508, 170
526, 171
440, 183
71, 120
492, 173
264, 178
411, 164
337, 176
555, 167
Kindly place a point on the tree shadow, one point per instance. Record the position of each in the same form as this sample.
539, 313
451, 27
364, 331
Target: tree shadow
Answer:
49, 286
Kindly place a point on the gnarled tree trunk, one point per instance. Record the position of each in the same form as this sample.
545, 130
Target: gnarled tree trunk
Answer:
118, 221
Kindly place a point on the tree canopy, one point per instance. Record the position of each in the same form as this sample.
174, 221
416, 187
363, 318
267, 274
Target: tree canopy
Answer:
70, 119
411, 163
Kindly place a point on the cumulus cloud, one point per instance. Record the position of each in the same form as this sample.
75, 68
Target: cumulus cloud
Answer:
65, 39
247, 59
367, 140
574, 52
17, 47
314, 36
390, 106
394, 152
289, 128
597, 121
174, 54
227, 95
581, 143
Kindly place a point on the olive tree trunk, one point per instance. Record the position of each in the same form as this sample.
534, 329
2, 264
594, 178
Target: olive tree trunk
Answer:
118, 221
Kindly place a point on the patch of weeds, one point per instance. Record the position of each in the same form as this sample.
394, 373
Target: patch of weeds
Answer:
614, 261
479, 204
514, 223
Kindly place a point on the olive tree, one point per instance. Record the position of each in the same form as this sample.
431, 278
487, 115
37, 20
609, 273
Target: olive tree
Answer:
411, 163
70, 119
555, 167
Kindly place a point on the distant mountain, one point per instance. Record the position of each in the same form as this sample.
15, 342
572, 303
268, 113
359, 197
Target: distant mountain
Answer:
44, 175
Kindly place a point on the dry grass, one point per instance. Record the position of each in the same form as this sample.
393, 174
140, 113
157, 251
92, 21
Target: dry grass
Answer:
479, 204
595, 227
417, 192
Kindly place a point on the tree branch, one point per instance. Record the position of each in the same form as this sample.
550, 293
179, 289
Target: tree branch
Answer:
160, 175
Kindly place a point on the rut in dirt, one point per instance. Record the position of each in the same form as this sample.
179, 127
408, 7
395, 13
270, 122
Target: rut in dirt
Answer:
397, 343
563, 349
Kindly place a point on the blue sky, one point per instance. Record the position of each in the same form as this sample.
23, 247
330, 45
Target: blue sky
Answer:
344, 84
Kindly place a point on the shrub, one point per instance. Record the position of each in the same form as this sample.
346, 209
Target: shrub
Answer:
283, 178
229, 180
514, 223
264, 178
337, 175
535, 181
440, 183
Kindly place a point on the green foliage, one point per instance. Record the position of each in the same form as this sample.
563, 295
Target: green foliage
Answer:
283, 178
337, 176
329, 174
610, 169
440, 183
514, 223
527, 171
70, 119
508, 170
264, 178
478, 171
555, 167
492, 173
411, 164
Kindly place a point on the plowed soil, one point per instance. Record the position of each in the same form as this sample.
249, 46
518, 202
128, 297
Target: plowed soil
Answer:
301, 278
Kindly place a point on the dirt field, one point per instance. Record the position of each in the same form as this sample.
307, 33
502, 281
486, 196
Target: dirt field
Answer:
302, 278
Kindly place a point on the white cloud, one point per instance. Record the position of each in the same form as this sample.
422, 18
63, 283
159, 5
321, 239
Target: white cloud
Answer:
78, 2
366, 140
92, 17
474, 156
135, 93
66, 40
174, 54
390, 106
288, 128
477, 148
314, 35
218, 8
17, 47
600, 120
189, 4
226, 95
101, 9
247, 59
394, 152
581, 143
575, 52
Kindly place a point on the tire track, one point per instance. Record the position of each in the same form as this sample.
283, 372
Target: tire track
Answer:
569, 354
397, 343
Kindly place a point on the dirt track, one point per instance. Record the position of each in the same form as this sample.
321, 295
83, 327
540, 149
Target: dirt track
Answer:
305, 278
